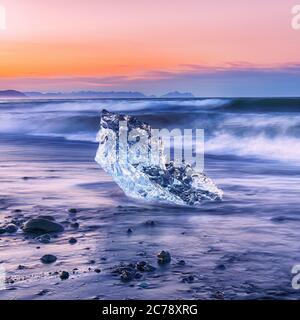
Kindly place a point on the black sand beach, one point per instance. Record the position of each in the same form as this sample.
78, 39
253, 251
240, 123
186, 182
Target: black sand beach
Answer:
225, 250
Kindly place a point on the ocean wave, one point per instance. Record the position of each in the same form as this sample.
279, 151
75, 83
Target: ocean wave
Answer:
231, 126
281, 148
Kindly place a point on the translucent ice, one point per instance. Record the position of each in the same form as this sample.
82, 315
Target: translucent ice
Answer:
130, 153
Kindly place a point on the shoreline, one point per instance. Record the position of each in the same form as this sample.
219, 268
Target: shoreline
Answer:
216, 252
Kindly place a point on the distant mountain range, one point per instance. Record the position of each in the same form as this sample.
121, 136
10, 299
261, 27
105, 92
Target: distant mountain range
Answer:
12, 94
89, 95
176, 94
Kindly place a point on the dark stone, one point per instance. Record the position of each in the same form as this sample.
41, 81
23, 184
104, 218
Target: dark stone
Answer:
127, 275
21, 267
164, 257
11, 228
48, 258
129, 230
97, 270
221, 267
72, 241
141, 265
149, 268
39, 225
188, 279
218, 295
74, 225
72, 210
150, 223
64, 275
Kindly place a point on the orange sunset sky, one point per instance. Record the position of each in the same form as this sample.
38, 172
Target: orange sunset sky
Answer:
208, 47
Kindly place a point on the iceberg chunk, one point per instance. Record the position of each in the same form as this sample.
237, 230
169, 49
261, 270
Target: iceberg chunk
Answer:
135, 159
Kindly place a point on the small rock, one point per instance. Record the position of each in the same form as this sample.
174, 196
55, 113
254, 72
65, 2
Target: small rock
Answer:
72, 210
11, 228
164, 257
17, 211
72, 241
74, 225
48, 258
97, 270
21, 267
149, 268
64, 275
144, 267
127, 275
140, 265
221, 267
40, 225
150, 223
218, 295
129, 230
188, 279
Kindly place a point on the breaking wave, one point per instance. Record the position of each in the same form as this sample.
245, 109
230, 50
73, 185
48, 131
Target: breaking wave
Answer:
264, 128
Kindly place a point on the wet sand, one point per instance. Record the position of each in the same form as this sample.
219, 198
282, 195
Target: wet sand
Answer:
228, 251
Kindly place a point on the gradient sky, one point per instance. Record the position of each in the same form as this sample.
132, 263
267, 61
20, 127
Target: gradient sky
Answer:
208, 47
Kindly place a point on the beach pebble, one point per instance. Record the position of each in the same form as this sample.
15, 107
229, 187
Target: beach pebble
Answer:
64, 275
218, 295
72, 210
48, 258
129, 230
74, 225
149, 268
11, 228
40, 225
21, 267
97, 270
72, 241
221, 267
127, 275
164, 257
140, 265
150, 223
